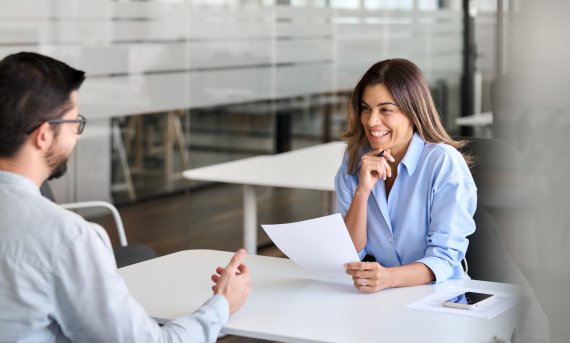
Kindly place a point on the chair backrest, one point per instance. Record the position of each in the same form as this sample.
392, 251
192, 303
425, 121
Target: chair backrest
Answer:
491, 154
126, 254
496, 171
486, 254
108, 206
45, 190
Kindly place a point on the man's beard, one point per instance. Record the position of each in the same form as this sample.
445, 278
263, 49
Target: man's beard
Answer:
57, 161
59, 171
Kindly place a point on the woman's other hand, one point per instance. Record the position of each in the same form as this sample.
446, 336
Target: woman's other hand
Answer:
369, 276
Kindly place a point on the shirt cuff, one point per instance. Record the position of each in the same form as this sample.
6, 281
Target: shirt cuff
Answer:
439, 267
362, 253
221, 306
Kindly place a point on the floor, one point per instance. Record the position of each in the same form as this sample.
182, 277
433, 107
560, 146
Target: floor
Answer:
211, 217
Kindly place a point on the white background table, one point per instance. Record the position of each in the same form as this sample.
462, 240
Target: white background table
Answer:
288, 304
312, 168
483, 120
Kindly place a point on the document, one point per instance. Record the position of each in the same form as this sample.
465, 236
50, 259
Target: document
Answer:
320, 245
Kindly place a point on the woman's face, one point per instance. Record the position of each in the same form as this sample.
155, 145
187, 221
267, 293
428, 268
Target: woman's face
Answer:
386, 126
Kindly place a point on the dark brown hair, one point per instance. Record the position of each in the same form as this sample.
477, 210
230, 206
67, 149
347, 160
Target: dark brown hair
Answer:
406, 82
33, 89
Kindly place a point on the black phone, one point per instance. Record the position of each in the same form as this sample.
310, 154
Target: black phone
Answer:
468, 300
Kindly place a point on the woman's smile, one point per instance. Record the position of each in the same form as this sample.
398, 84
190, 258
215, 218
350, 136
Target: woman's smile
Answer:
385, 125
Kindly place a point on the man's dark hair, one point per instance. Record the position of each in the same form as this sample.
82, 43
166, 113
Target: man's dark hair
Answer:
33, 89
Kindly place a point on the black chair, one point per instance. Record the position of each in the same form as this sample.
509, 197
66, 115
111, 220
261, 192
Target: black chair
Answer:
125, 254
486, 255
497, 172
491, 156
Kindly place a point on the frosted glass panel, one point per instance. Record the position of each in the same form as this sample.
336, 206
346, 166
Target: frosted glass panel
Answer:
142, 40
235, 58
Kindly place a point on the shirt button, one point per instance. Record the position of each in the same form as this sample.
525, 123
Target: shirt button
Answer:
389, 238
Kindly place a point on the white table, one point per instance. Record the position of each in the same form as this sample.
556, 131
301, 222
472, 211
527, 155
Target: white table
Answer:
484, 120
312, 168
287, 304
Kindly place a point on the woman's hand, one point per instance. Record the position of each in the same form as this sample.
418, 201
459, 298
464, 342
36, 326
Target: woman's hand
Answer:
375, 166
369, 276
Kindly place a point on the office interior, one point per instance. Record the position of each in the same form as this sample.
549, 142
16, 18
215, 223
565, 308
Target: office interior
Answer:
174, 85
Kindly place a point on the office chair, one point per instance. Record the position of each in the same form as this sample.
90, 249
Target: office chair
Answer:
498, 174
125, 254
486, 255
491, 156
496, 165
489, 261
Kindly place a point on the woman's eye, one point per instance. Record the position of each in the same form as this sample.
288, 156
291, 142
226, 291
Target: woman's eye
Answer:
385, 110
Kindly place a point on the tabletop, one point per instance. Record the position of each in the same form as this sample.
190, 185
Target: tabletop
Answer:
288, 304
312, 168
479, 119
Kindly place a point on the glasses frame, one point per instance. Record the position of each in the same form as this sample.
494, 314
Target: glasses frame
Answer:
81, 120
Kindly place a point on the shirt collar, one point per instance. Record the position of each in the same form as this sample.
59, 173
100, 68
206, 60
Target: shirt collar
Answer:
18, 180
413, 154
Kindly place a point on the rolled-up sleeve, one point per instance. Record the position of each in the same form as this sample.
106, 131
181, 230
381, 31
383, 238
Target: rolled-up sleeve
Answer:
344, 186
453, 205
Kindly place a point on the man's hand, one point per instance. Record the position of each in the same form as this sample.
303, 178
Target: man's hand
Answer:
233, 281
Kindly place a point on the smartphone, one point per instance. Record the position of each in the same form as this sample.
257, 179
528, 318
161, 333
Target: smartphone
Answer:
468, 300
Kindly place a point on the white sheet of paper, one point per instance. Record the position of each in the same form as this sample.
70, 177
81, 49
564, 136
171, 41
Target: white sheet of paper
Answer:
434, 302
321, 244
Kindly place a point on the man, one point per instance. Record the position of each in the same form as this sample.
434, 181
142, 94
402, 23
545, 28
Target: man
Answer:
58, 281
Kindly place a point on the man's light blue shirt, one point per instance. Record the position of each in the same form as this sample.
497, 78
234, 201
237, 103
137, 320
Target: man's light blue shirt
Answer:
59, 282
429, 212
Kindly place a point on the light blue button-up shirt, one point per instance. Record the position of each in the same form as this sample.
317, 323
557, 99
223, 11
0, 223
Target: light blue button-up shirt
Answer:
428, 214
59, 282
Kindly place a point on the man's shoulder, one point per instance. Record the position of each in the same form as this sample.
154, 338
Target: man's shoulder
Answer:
56, 215
30, 220
64, 226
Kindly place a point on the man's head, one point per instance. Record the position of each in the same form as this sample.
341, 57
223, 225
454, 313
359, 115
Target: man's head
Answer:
37, 93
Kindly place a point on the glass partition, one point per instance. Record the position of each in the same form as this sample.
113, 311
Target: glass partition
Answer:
177, 84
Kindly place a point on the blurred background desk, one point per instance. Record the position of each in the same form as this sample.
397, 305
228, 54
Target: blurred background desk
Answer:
480, 120
288, 304
312, 168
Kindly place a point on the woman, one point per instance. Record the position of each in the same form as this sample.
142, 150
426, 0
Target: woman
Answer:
405, 192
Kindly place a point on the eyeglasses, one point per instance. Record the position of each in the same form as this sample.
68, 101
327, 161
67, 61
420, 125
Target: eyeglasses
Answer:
81, 121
